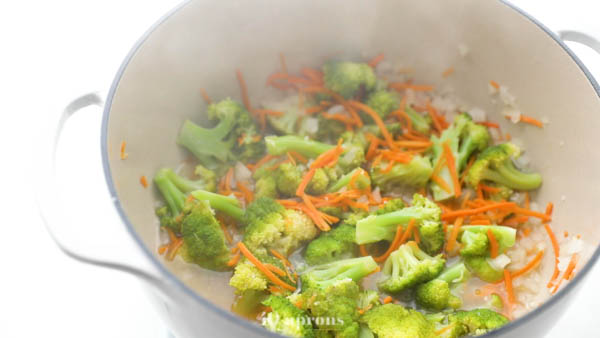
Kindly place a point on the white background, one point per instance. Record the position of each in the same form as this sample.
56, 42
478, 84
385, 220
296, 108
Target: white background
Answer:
51, 51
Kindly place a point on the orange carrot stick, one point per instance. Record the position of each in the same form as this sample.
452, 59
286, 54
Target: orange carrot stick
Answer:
205, 96
470, 212
509, 287
376, 60
451, 163
243, 89
144, 181
493, 243
123, 154
386, 134
244, 250
393, 246
530, 266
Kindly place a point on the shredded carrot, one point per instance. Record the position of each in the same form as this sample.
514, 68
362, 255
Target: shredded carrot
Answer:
489, 124
508, 137
443, 184
281, 257
448, 72
244, 250
451, 163
393, 246
464, 173
305, 180
530, 266
567, 274
527, 212
387, 300
489, 189
493, 244
228, 180
454, 234
205, 96
494, 84
338, 98
509, 287
376, 60
275, 269
226, 232
262, 161
124, 155
243, 89
403, 85
174, 248
234, 260
409, 230
144, 181
248, 195
441, 331
298, 156
470, 212
434, 118
363, 250
386, 134
416, 235
529, 120
556, 248
162, 249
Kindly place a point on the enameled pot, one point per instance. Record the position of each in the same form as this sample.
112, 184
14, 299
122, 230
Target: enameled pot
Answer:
201, 43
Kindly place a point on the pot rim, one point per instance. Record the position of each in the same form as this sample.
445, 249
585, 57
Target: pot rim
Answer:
252, 326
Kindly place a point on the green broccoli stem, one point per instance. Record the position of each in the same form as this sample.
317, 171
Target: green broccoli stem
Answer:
181, 183
206, 143
279, 145
455, 275
326, 274
173, 196
225, 204
362, 181
377, 227
507, 175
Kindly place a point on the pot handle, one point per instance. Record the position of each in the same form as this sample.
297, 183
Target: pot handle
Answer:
580, 37
61, 228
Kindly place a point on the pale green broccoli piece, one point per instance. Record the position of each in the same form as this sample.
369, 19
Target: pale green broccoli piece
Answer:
175, 187
352, 158
265, 187
273, 227
474, 244
496, 301
288, 177
395, 321
347, 78
330, 130
477, 239
383, 102
368, 299
503, 193
407, 267
338, 302
435, 295
419, 122
203, 239
319, 182
464, 137
356, 139
280, 145
247, 277
495, 164
391, 206
478, 322
332, 245
481, 268
361, 182
234, 136
324, 275
286, 319
415, 173
375, 228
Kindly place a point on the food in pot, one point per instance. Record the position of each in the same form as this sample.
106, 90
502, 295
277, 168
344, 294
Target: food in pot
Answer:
358, 203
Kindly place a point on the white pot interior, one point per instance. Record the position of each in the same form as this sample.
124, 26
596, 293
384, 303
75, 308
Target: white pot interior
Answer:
202, 44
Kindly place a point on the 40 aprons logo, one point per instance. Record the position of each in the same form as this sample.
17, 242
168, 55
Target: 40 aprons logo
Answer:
274, 320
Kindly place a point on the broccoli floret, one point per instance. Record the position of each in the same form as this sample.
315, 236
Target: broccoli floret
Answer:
419, 122
478, 322
415, 173
503, 193
361, 182
474, 242
394, 321
287, 123
383, 102
391, 206
324, 275
265, 187
368, 299
394, 128
247, 277
347, 78
319, 182
352, 157
175, 189
464, 137
288, 177
234, 137
495, 164
335, 308
280, 145
272, 227
409, 266
203, 239
356, 139
383, 227
481, 268
354, 217
329, 130
332, 246
286, 319
435, 295
496, 301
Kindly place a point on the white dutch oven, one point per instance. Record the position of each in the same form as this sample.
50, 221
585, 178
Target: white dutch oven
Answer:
201, 43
